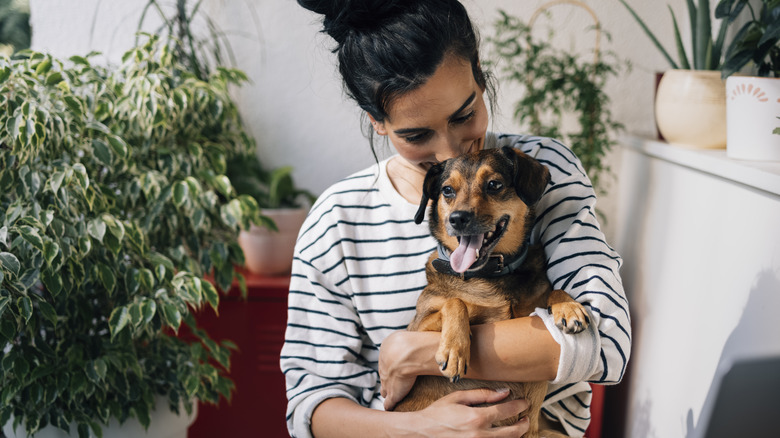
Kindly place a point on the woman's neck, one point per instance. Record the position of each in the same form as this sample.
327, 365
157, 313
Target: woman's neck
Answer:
407, 179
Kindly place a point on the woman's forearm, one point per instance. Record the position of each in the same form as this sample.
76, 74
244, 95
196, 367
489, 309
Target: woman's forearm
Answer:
341, 417
516, 350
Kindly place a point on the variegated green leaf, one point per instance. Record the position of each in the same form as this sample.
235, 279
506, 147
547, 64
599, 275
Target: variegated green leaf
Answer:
97, 229
119, 318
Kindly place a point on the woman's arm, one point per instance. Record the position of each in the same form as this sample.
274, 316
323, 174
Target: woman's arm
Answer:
451, 416
516, 350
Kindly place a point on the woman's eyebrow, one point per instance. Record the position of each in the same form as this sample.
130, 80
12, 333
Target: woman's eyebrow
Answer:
468, 102
465, 104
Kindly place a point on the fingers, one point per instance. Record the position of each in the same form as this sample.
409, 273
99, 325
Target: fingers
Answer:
473, 397
515, 430
390, 403
496, 412
502, 411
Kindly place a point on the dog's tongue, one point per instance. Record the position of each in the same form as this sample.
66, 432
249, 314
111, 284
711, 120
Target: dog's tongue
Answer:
466, 253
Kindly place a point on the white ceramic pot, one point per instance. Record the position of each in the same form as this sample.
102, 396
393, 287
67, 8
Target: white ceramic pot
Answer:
163, 424
268, 252
690, 108
752, 111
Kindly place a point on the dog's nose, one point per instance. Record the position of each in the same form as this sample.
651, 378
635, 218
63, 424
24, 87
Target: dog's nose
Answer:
460, 220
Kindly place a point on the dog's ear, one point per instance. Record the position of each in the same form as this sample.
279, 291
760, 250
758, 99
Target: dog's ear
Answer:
430, 190
530, 176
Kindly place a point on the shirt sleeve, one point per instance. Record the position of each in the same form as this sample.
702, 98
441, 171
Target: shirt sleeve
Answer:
325, 344
580, 262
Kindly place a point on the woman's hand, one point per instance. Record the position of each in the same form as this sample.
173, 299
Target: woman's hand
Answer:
404, 356
454, 415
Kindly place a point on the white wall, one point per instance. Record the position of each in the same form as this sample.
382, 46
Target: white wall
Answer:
295, 106
702, 272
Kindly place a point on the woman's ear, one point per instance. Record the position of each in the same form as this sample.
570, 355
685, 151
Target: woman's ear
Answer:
379, 127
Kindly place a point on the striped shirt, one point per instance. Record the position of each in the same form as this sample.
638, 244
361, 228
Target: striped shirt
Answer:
359, 267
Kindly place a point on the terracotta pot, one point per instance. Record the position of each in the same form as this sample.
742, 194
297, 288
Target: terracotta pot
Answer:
752, 111
268, 252
690, 108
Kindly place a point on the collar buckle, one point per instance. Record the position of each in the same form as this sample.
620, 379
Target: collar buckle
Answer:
499, 263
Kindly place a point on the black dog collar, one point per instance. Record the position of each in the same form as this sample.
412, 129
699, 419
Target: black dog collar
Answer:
496, 266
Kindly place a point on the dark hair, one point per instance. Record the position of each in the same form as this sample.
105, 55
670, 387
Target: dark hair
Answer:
389, 47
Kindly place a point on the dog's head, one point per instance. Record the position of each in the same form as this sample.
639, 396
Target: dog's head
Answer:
482, 204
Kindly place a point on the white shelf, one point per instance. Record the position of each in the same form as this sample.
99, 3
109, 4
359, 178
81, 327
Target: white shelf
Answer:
764, 176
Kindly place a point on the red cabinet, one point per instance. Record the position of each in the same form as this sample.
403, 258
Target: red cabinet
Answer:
256, 325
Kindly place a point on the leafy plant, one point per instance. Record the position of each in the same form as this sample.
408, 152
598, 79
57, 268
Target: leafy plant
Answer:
556, 83
707, 54
199, 55
758, 40
114, 206
14, 25
270, 188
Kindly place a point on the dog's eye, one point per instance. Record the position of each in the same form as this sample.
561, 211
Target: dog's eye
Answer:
494, 186
448, 192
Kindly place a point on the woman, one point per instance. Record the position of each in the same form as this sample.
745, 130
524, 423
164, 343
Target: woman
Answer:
413, 67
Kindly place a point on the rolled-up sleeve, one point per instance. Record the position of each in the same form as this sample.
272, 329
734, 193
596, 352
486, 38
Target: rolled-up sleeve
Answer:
580, 262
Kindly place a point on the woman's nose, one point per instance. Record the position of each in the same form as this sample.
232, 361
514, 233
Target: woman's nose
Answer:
448, 147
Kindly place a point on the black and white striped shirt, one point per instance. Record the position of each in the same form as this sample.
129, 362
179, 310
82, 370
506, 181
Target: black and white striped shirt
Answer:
359, 267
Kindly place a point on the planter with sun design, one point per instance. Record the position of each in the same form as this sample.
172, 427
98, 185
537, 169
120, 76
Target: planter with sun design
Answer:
752, 116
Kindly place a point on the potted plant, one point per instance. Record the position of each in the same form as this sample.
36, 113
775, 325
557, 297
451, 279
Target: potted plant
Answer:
690, 105
557, 83
753, 100
268, 247
114, 205
14, 26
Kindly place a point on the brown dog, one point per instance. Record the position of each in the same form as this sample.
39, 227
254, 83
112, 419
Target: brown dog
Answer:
485, 270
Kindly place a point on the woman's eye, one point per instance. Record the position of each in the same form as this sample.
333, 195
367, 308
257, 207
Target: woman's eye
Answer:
463, 119
417, 138
494, 186
448, 192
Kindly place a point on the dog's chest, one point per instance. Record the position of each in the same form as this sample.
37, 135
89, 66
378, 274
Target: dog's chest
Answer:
486, 300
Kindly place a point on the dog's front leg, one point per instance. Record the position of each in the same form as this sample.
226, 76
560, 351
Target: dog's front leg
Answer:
455, 347
569, 315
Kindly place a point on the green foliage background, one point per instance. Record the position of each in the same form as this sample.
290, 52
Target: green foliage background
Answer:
555, 84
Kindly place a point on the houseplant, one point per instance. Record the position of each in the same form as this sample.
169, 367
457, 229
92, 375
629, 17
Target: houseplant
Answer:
559, 83
690, 105
200, 46
753, 101
14, 26
113, 207
268, 247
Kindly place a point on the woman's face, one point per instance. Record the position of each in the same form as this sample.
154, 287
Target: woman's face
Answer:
444, 118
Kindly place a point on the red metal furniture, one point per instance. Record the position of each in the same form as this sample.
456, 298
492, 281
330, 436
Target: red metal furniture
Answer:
596, 412
257, 326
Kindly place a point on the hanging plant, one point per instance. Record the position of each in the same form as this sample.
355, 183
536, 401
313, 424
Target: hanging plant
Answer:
557, 84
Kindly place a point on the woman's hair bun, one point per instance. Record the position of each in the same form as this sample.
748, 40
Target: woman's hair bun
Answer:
344, 16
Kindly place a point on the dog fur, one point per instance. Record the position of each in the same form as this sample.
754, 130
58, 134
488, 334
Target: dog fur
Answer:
490, 192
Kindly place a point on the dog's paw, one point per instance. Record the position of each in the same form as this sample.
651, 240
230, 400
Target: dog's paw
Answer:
570, 317
453, 357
